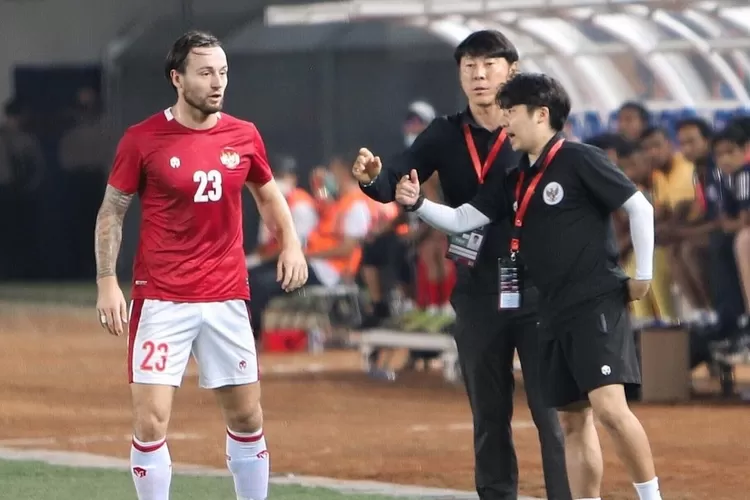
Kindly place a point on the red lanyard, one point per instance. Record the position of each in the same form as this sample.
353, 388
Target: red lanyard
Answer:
481, 169
515, 243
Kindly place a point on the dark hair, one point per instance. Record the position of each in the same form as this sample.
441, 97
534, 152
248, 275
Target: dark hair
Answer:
605, 141
536, 90
284, 164
653, 130
733, 134
638, 108
742, 122
12, 107
181, 48
486, 43
626, 149
702, 125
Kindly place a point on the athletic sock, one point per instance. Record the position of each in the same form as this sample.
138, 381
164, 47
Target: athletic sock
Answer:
151, 468
247, 460
648, 490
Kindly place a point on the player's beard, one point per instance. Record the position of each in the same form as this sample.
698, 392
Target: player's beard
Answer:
203, 105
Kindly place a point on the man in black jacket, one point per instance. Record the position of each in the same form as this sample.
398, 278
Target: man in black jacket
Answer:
462, 148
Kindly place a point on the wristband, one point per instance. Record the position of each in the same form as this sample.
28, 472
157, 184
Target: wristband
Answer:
369, 183
417, 204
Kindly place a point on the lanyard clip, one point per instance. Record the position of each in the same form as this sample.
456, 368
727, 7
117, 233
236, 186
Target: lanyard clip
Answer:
515, 244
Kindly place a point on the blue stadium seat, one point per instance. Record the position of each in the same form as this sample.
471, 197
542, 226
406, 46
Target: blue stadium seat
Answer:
668, 118
612, 121
722, 117
575, 123
592, 124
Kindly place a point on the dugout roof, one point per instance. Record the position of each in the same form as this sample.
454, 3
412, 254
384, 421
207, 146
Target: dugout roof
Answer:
578, 40
688, 47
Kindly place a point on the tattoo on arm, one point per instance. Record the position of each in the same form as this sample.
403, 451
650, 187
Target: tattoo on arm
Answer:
108, 232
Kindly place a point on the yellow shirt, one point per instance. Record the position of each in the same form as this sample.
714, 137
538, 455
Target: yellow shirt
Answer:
677, 186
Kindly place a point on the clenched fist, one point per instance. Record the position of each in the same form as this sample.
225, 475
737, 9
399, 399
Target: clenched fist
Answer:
366, 167
407, 190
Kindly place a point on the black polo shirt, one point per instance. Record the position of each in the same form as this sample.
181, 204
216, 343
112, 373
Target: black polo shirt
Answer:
442, 148
567, 240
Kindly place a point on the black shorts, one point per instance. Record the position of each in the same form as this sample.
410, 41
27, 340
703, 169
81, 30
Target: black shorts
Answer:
390, 252
593, 347
380, 251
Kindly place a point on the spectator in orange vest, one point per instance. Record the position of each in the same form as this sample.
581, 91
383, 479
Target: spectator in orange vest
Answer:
334, 248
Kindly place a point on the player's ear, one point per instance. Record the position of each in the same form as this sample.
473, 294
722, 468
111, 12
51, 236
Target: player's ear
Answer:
175, 76
543, 113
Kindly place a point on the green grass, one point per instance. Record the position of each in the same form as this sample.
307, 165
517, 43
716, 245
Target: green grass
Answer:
39, 481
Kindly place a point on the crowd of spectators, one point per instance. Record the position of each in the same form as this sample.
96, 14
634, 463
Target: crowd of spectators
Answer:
698, 179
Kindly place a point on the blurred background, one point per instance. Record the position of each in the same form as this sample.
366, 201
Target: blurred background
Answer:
652, 83
318, 80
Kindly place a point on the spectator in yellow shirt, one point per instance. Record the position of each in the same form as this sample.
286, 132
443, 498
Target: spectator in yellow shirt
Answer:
674, 194
658, 304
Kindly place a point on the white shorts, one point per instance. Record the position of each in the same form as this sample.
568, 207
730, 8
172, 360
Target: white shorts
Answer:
162, 334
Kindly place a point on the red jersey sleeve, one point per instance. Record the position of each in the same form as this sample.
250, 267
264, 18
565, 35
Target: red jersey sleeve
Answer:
126, 171
260, 171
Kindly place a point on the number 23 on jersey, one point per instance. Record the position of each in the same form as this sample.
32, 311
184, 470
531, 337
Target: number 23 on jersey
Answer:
208, 186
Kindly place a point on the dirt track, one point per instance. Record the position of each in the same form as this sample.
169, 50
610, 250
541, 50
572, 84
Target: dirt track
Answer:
64, 379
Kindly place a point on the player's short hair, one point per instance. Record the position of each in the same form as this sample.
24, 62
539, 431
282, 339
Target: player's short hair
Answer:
536, 90
653, 130
638, 108
181, 48
734, 134
486, 43
702, 125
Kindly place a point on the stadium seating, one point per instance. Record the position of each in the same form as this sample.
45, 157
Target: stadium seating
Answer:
588, 123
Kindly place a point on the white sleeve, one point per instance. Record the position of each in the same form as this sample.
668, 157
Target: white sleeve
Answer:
641, 215
357, 221
451, 220
305, 219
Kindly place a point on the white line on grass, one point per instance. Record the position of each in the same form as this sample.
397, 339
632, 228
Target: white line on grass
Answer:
89, 460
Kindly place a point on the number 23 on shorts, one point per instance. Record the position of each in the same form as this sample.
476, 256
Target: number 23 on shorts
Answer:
155, 358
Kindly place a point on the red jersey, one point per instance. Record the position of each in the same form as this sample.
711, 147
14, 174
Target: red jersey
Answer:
190, 185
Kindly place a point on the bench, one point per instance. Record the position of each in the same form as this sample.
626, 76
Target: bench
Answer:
371, 340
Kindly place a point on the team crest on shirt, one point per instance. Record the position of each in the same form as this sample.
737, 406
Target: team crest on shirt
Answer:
553, 193
230, 158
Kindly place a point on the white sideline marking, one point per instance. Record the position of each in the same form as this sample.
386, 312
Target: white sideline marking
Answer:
466, 426
89, 460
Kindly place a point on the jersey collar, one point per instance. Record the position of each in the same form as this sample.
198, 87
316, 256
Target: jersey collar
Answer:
524, 163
